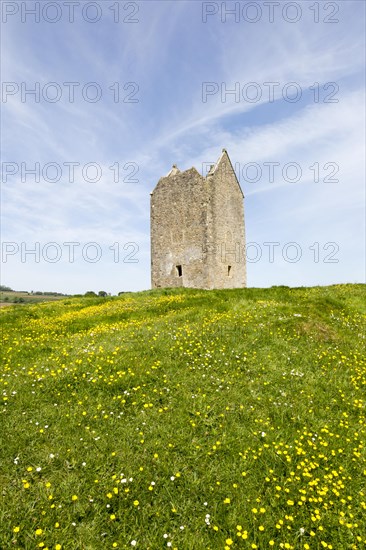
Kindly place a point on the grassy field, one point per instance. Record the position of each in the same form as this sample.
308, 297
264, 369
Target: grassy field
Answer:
185, 419
19, 297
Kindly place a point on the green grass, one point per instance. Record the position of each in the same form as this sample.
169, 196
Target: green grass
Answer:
185, 419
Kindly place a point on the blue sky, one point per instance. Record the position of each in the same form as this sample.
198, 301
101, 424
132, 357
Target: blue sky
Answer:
165, 60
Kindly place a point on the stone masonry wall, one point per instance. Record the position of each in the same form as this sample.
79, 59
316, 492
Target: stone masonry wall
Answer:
226, 230
178, 231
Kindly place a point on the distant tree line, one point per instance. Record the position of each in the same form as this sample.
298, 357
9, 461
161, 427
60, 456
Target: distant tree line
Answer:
92, 294
39, 293
88, 294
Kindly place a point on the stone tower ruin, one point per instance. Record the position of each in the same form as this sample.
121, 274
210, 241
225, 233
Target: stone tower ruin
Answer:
197, 229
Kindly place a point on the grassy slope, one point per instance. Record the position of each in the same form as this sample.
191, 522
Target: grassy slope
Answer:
245, 408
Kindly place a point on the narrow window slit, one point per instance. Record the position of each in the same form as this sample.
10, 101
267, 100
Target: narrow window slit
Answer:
179, 270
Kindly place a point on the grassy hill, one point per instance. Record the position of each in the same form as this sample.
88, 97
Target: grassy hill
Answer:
185, 419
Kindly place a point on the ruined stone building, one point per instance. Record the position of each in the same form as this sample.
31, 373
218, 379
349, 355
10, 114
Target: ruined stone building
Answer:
197, 229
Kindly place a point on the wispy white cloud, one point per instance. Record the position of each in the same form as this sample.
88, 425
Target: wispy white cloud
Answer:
169, 54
